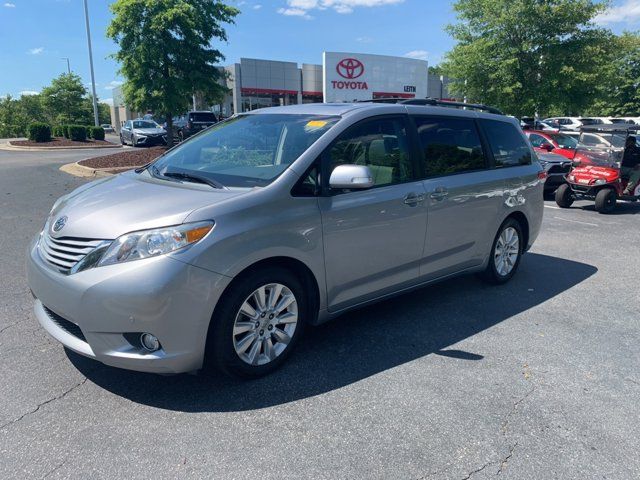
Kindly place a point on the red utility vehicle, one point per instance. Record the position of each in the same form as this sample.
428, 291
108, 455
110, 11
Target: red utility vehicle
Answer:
600, 177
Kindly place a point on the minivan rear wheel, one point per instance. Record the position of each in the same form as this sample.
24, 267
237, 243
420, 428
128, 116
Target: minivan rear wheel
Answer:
506, 253
258, 323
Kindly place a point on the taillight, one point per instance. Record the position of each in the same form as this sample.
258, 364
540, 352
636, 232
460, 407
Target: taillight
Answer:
542, 175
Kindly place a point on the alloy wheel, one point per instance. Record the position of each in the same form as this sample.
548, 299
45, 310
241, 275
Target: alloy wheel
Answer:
506, 252
265, 324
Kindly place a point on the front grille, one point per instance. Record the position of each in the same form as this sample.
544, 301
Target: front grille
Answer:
65, 324
560, 168
63, 253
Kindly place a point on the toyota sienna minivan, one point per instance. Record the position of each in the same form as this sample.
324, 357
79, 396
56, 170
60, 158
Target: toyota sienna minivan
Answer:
223, 249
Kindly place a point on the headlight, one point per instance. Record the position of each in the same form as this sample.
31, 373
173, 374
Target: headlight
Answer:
150, 243
600, 181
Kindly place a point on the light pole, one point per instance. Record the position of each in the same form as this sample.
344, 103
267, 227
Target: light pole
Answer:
68, 65
93, 80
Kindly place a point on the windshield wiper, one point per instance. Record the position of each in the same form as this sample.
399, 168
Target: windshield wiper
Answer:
190, 177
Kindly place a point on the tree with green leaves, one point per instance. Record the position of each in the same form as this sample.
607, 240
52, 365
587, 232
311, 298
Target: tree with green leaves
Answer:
167, 54
62, 101
528, 56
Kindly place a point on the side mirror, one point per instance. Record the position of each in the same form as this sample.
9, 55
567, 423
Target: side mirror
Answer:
546, 146
351, 177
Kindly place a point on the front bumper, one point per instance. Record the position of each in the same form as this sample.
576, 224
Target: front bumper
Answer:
163, 296
151, 140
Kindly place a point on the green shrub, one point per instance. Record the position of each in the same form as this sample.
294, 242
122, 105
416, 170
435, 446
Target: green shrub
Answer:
97, 133
89, 131
58, 131
39, 132
11, 131
78, 133
65, 131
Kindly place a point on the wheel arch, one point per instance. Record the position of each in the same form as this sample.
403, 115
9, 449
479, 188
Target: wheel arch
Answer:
521, 218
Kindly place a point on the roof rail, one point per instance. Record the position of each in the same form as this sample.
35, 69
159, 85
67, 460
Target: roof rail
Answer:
435, 102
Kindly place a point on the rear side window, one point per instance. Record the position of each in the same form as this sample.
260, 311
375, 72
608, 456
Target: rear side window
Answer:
506, 142
537, 140
450, 145
379, 144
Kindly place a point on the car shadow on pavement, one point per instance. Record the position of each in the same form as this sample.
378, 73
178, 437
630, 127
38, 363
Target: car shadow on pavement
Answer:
358, 344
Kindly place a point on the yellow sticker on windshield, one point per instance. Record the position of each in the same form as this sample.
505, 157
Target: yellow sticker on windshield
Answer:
316, 123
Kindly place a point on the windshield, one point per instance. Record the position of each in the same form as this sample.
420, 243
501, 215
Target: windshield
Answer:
564, 141
144, 124
246, 150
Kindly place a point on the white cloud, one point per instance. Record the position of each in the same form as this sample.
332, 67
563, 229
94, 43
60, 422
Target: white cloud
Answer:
9, 5
417, 54
301, 8
627, 12
35, 51
113, 84
294, 12
28, 92
364, 40
257, 6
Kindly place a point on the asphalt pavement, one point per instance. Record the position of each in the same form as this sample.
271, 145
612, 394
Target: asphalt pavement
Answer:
536, 379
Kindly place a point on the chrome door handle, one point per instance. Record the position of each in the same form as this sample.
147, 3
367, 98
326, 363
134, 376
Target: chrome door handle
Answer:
413, 198
439, 193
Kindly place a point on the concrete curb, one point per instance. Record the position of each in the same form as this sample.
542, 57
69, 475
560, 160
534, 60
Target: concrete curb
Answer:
15, 148
78, 170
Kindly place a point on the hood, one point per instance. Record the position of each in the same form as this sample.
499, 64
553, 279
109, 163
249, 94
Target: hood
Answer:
150, 131
110, 207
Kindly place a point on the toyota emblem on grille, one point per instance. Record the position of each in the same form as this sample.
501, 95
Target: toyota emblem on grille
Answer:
60, 223
350, 68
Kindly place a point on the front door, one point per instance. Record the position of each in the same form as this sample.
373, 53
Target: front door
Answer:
373, 238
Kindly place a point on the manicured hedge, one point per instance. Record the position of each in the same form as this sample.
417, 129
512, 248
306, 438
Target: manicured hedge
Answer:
97, 133
39, 132
65, 131
58, 131
77, 133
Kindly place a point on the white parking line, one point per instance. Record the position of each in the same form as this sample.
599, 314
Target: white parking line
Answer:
577, 221
555, 208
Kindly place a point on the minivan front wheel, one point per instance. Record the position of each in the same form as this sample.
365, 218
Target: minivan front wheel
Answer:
258, 323
505, 253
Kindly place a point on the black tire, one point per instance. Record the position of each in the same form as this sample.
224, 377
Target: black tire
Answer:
564, 196
221, 353
491, 273
606, 200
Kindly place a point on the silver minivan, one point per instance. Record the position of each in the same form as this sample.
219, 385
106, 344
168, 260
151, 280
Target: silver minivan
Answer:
222, 250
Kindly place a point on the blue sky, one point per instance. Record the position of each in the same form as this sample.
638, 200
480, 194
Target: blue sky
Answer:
36, 34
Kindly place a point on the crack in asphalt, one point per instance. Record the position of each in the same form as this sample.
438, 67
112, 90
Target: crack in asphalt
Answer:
505, 460
58, 397
9, 326
53, 470
502, 462
514, 409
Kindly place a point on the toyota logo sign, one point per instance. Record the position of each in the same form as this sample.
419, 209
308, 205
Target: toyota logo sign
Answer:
350, 68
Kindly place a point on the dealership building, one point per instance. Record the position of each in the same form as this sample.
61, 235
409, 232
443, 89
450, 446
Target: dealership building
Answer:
342, 77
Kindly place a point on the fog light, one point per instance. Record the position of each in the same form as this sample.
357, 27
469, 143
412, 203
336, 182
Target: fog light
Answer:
149, 342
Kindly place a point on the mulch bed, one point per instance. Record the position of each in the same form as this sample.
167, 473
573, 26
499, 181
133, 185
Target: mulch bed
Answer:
128, 158
62, 142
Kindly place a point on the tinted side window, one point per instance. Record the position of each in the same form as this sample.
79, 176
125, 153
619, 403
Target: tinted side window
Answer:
381, 145
450, 145
506, 142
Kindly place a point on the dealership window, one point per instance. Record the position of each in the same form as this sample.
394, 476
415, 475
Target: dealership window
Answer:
450, 145
379, 144
507, 144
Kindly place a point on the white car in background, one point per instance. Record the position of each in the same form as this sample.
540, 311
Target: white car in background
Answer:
567, 123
